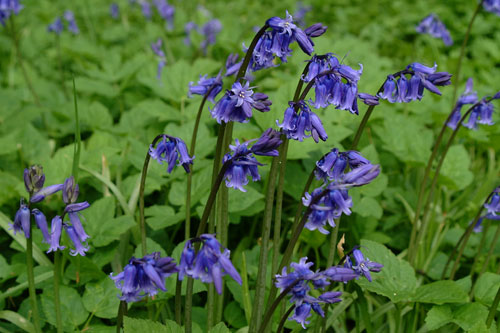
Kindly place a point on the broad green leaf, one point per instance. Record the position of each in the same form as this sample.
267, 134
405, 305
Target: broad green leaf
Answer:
440, 292
101, 298
486, 288
72, 309
133, 325
220, 328
438, 316
368, 207
467, 315
455, 169
239, 201
396, 280
159, 217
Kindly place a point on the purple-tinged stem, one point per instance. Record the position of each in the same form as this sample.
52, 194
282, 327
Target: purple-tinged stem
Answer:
284, 318
272, 308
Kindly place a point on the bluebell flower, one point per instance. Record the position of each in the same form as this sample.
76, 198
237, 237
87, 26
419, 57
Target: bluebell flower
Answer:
157, 49
493, 207
316, 30
267, 144
295, 125
237, 104
422, 77
7, 7
34, 178
492, 6
70, 18
190, 26
363, 266
55, 234
286, 32
468, 97
166, 12
74, 217
332, 165
22, 220
70, 190
210, 31
44, 192
146, 9
300, 14
209, 264
262, 56
232, 64
41, 222
73, 236
433, 26
478, 227
114, 11
204, 85
56, 26
243, 164
171, 149
144, 276
300, 281
328, 208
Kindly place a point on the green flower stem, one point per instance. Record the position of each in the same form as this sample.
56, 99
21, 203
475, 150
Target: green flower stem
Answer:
273, 307
493, 309
425, 220
490, 252
279, 204
57, 299
31, 281
486, 228
122, 311
462, 50
20, 60
258, 306
463, 241
284, 318
142, 187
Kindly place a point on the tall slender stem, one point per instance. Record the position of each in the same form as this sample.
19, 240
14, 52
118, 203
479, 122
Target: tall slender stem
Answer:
284, 318
482, 243
57, 281
425, 220
462, 50
493, 309
21, 61
258, 307
122, 311
272, 308
31, 281
490, 252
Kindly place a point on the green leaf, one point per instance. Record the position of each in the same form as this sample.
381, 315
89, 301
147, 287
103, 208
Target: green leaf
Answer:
219, 328
101, 298
440, 292
72, 309
368, 206
396, 280
134, 325
486, 288
159, 217
455, 169
17, 320
438, 316
239, 201
467, 315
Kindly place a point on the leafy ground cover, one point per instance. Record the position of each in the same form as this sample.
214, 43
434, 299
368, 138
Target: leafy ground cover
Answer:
126, 93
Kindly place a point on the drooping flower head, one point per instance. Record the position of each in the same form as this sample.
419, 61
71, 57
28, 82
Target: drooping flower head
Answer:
162, 60
70, 18
331, 200
362, 266
493, 207
171, 149
468, 97
303, 124
404, 90
7, 8
481, 114
209, 264
22, 220
492, 6
299, 282
237, 104
433, 26
166, 12
56, 27
114, 10
204, 85
190, 26
147, 11
210, 30
144, 276
34, 178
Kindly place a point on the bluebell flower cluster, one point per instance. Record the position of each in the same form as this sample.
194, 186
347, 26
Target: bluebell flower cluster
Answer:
147, 11
171, 149
276, 42
210, 30
7, 8
492, 6
296, 126
34, 180
190, 26
144, 276
482, 113
114, 11
166, 12
404, 90
433, 26
336, 84
57, 26
158, 50
300, 281
244, 164
209, 264
237, 104
492, 210
361, 265
331, 200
